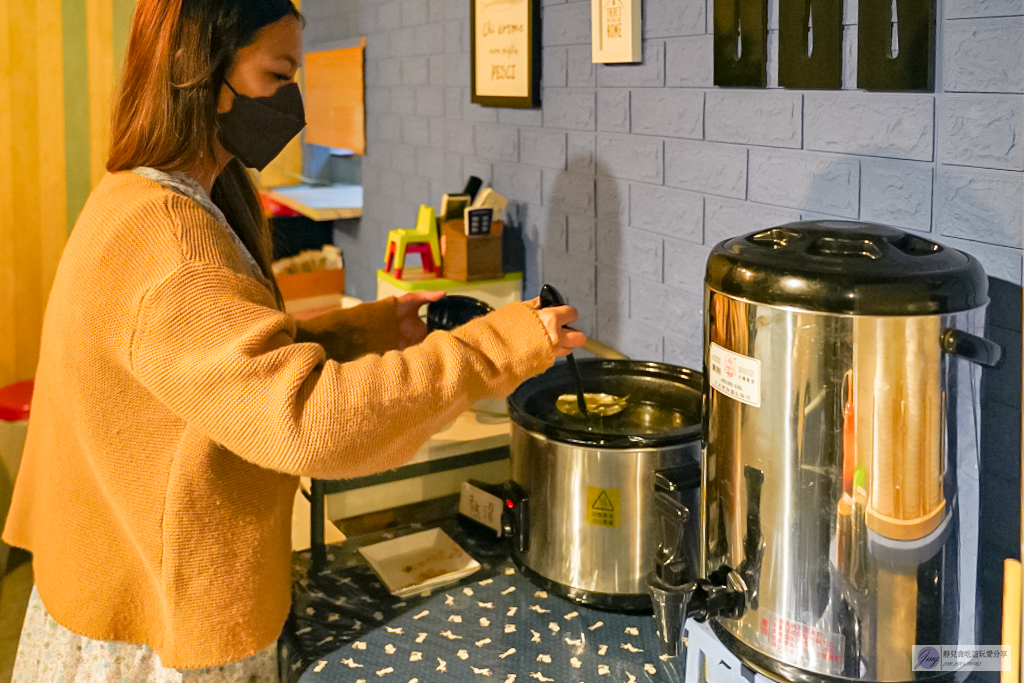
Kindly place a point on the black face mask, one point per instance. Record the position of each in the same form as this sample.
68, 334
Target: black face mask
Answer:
256, 129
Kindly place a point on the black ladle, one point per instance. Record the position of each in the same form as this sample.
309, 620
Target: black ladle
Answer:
549, 296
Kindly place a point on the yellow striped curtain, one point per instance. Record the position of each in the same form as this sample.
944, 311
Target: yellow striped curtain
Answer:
57, 71
59, 64
33, 174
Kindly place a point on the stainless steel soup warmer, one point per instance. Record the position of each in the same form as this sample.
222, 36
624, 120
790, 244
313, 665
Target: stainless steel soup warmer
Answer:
582, 513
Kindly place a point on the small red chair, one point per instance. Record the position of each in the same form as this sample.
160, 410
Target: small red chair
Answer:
424, 236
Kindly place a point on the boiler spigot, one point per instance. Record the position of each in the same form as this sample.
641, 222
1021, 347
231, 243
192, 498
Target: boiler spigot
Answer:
671, 584
678, 593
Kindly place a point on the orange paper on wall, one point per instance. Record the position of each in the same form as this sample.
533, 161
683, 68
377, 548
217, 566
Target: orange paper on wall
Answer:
335, 115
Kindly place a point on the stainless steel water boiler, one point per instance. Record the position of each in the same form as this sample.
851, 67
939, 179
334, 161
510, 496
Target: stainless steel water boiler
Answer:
840, 464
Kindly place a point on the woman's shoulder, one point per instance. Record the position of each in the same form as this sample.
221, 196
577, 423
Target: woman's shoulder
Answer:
128, 200
154, 215
136, 196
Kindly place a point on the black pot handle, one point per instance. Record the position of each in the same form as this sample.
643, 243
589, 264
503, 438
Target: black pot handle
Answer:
971, 347
515, 518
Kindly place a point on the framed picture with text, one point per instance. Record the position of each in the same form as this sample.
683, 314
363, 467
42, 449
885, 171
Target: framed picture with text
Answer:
615, 31
504, 53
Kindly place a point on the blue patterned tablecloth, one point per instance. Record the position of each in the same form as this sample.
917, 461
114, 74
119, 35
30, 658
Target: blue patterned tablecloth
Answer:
494, 626
340, 599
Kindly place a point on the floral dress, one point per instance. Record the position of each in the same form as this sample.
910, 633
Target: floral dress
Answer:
50, 653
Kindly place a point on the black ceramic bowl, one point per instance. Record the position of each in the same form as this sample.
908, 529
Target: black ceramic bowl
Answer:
453, 310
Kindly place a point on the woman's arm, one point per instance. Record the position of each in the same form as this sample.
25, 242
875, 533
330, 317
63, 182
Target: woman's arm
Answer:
210, 345
348, 333
376, 327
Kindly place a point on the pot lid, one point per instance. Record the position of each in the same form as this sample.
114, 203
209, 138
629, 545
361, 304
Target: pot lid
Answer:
847, 267
663, 404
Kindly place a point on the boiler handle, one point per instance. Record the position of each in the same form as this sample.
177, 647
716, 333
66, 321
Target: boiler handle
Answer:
971, 347
515, 518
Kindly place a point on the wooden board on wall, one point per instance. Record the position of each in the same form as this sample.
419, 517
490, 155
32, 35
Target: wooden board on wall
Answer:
335, 115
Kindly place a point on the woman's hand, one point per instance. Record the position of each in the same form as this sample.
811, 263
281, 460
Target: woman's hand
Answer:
411, 329
555, 319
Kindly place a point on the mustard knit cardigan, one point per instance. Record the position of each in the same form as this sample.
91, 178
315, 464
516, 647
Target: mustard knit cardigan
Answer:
175, 407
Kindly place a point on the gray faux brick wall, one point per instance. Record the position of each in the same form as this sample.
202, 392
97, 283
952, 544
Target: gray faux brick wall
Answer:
644, 159
627, 175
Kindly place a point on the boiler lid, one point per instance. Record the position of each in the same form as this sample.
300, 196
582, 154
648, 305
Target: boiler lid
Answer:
663, 404
847, 267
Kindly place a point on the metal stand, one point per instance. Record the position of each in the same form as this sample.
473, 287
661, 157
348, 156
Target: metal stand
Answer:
709, 661
317, 548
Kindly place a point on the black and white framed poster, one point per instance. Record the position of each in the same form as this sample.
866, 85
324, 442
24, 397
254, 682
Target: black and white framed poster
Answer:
505, 53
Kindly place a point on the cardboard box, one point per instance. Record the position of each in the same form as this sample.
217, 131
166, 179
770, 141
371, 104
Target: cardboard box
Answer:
465, 258
316, 289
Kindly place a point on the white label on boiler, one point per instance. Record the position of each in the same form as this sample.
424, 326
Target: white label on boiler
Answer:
735, 375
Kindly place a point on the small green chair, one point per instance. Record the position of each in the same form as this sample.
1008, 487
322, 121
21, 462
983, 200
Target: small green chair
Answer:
421, 238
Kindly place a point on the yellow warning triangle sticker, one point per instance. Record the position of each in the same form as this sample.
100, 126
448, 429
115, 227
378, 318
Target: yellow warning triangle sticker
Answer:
603, 502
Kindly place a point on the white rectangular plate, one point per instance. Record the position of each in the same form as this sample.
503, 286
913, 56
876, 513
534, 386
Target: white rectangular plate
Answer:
418, 562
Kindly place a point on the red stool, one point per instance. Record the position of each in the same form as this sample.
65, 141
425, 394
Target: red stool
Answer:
15, 400
14, 407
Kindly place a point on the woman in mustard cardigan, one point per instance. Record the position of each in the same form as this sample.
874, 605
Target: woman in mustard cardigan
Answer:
176, 405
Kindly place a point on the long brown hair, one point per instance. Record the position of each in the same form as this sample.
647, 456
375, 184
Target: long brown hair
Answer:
179, 53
